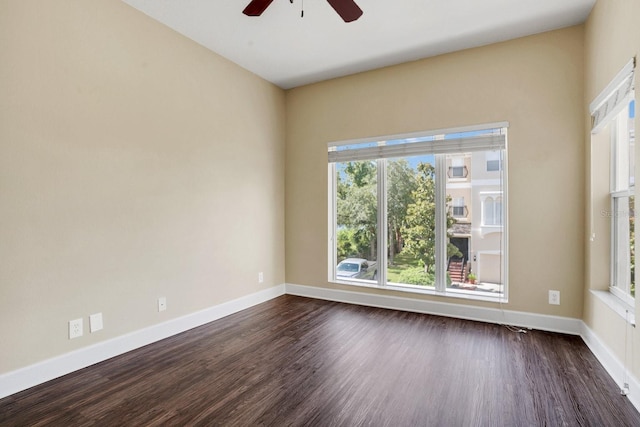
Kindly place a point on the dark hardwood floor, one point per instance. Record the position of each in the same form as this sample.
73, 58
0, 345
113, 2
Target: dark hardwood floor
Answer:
301, 362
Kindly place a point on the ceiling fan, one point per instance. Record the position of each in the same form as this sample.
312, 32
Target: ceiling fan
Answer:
347, 9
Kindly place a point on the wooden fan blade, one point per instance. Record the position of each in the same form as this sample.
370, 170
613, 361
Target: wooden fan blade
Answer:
256, 7
347, 9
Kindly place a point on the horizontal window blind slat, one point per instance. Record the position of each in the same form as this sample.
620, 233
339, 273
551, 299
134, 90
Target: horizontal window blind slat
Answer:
612, 86
613, 98
443, 146
614, 104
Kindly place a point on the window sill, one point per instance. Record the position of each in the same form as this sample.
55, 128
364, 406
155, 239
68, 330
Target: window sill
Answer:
449, 293
621, 308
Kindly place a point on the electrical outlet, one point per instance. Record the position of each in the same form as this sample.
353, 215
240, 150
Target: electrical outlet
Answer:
75, 328
95, 322
162, 304
260, 277
554, 297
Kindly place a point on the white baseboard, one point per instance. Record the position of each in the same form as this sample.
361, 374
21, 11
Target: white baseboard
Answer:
24, 378
612, 365
542, 322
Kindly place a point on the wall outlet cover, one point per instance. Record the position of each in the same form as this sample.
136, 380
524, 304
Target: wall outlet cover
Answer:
162, 304
75, 328
554, 297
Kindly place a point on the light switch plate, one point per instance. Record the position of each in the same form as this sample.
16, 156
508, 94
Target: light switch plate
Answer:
95, 322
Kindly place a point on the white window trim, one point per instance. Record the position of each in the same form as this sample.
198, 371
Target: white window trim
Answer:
622, 296
603, 109
617, 305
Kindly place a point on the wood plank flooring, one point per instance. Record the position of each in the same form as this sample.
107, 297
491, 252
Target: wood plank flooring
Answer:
301, 362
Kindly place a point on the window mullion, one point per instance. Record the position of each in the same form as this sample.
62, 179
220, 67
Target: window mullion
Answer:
613, 239
382, 221
332, 214
441, 223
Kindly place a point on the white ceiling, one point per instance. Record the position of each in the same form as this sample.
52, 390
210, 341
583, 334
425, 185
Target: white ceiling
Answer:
291, 51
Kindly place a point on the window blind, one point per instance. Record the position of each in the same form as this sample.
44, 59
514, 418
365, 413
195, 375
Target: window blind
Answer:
493, 139
613, 98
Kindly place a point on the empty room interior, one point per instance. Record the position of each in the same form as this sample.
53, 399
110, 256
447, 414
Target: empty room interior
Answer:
436, 200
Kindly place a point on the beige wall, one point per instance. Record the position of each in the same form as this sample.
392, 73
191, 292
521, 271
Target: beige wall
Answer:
612, 38
133, 164
535, 83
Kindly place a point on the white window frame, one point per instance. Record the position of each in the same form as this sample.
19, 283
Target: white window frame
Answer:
620, 188
605, 109
439, 147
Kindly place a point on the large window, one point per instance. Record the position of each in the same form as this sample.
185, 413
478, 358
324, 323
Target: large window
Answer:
623, 202
408, 213
613, 111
